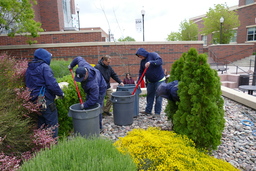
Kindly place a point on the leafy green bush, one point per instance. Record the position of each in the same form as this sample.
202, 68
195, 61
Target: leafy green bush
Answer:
153, 149
65, 122
60, 67
81, 154
199, 114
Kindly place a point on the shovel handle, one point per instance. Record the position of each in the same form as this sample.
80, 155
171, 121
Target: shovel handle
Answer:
77, 89
138, 83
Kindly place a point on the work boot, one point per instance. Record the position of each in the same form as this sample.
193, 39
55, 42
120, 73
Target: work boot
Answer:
107, 113
145, 113
157, 116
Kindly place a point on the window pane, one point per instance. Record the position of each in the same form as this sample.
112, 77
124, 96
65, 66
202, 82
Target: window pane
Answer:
233, 39
251, 34
250, 31
250, 38
249, 2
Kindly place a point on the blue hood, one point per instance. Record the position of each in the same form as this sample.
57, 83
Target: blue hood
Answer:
43, 55
142, 52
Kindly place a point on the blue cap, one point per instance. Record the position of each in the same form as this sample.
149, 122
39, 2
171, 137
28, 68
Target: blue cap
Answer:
80, 74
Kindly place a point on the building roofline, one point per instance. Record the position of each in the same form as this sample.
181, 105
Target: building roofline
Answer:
51, 45
232, 8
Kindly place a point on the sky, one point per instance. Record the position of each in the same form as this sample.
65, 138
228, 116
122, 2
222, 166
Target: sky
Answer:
161, 16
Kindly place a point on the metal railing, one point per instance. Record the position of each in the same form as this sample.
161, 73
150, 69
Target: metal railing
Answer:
226, 62
251, 60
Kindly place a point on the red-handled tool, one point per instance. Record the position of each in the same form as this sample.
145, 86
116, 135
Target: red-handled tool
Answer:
77, 89
138, 83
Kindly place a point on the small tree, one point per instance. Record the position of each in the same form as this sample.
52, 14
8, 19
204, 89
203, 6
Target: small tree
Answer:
199, 114
212, 23
174, 36
126, 39
188, 31
18, 17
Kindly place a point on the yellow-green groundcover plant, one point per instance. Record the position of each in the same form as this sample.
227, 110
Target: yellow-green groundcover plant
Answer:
154, 149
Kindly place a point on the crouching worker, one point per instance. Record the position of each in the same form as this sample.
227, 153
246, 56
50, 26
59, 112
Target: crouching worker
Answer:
92, 82
41, 83
168, 91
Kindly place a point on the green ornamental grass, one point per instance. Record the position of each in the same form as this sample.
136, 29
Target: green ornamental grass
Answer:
78, 153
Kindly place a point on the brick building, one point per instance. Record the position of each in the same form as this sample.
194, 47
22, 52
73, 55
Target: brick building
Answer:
65, 39
245, 35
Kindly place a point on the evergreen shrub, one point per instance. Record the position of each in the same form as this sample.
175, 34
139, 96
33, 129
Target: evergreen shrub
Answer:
199, 114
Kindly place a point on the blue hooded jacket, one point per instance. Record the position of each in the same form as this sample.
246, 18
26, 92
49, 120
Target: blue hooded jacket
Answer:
94, 85
39, 74
168, 90
155, 71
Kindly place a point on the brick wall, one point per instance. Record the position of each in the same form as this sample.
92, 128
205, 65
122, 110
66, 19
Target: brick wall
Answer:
230, 52
123, 54
51, 14
242, 2
55, 37
247, 17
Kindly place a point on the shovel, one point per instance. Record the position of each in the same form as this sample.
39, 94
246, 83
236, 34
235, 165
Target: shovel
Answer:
77, 89
138, 83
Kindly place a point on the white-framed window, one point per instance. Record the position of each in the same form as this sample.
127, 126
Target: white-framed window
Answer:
204, 38
249, 2
233, 39
251, 34
67, 13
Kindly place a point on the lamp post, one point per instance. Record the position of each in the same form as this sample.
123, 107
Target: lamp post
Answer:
143, 13
254, 73
77, 10
221, 22
109, 38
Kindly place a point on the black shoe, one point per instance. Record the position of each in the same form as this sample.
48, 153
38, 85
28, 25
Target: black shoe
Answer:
101, 131
145, 113
107, 113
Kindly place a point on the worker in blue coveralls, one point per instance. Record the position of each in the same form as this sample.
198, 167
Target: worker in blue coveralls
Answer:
92, 82
169, 90
154, 77
39, 76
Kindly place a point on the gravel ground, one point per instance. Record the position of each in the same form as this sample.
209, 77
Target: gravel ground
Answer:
238, 141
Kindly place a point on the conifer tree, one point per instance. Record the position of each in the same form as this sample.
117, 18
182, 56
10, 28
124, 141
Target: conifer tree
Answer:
199, 114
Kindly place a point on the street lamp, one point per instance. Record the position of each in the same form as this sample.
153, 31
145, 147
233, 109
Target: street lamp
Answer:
109, 38
143, 13
221, 22
77, 10
254, 73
